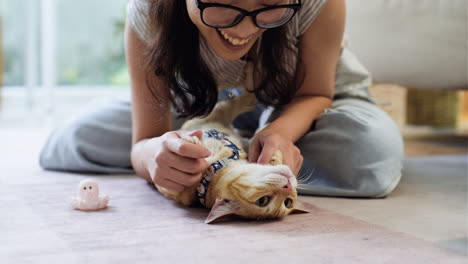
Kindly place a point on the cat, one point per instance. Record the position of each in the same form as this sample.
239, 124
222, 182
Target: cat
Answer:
232, 185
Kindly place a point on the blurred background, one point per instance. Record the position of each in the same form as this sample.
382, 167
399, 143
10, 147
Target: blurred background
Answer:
58, 55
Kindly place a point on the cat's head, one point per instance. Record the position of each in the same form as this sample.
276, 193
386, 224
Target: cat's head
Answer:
256, 191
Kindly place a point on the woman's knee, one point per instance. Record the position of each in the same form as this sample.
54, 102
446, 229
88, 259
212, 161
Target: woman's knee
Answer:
359, 150
380, 147
63, 149
378, 178
90, 141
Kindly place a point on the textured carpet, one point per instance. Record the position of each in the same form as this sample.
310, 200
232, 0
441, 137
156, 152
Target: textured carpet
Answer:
37, 225
430, 202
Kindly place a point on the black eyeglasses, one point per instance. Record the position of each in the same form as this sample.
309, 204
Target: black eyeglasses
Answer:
217, 15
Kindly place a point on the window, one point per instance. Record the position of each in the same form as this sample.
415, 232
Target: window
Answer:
13, 35
88, 40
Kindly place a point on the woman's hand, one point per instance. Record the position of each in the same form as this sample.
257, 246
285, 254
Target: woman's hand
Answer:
174, 163
266, 142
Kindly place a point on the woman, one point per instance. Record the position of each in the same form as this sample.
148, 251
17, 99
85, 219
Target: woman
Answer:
180, 53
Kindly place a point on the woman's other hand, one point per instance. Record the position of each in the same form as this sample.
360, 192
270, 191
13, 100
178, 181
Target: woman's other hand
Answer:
266, 142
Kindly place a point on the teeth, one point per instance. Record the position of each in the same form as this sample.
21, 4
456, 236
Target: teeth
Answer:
234, 41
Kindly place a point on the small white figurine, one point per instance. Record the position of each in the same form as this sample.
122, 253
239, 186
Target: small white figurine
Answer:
88, 197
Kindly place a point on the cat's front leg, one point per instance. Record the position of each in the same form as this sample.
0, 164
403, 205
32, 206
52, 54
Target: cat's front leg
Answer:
216, 147
194, 140
277, 158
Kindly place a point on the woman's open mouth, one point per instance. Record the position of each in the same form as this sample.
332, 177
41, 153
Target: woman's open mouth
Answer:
233, 43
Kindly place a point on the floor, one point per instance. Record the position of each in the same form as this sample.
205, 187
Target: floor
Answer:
430, 204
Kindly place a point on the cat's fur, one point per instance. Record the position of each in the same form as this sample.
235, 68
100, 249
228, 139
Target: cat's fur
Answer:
237, 188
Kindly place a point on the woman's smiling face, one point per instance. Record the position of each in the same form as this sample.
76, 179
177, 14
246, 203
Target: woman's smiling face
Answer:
234, 42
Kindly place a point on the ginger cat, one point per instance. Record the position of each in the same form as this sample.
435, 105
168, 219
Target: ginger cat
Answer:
231, 185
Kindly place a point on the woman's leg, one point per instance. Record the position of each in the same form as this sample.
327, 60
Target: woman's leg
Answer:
354, 150
98, 140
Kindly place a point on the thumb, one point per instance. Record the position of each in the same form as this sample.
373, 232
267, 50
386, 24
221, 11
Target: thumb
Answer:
198, 133
183, 133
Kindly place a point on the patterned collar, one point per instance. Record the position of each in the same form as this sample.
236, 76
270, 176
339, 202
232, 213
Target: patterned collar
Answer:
218, 165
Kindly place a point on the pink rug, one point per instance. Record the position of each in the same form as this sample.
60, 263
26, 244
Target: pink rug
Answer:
38, 226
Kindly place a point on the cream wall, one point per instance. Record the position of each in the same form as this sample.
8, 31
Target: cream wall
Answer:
415, 43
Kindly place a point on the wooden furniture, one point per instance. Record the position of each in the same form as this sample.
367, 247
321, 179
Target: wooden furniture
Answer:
392, 99
423, 107
438, 108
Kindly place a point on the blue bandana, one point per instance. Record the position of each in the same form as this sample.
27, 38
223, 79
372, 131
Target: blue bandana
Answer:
214, 167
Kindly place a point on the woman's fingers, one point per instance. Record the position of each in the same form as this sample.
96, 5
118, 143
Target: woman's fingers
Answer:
183, 178
186, 161
186, 149
176, 163
181, 171
298, 164
263, 147
198, 133
288, 160
168, 184
293, 158
254, 151
184, 164
267, 153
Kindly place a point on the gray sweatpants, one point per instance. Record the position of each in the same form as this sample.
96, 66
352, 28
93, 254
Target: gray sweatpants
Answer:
354, 149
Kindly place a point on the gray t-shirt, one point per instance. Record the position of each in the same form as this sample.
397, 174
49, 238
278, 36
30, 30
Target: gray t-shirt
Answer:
351, 76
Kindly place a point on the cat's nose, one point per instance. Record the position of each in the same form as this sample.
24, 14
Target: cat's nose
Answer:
288, 186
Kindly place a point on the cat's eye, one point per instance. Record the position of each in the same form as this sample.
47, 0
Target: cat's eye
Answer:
263, 201
84, 188
288, 202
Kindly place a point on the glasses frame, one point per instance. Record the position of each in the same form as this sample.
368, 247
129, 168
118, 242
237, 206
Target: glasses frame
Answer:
202, 6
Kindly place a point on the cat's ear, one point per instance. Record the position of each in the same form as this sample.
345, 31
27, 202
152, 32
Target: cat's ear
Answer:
222, 207
302, 207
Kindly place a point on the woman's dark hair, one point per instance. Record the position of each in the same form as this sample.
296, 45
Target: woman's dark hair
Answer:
175, 58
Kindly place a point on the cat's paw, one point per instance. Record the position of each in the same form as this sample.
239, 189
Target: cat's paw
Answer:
277, 158
194, 140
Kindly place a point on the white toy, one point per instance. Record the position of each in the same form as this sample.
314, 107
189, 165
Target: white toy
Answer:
88, 197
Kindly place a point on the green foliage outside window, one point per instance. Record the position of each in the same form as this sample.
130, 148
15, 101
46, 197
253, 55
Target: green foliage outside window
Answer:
89, 42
